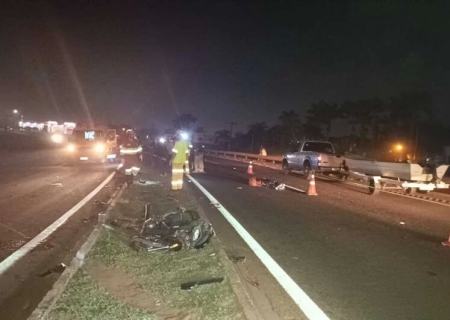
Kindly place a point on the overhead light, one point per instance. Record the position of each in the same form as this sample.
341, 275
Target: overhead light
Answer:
184, 136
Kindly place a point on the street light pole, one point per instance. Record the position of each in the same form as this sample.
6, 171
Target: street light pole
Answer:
416, 142
231, 134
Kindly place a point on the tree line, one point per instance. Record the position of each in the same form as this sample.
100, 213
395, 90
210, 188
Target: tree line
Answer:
366, 126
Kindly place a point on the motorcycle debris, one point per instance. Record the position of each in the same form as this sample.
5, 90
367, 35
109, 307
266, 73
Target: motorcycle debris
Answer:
237, 259
191, 285
57, 269
57, 184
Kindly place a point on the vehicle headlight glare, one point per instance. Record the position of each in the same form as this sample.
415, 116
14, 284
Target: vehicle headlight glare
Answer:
57, 138
99, 148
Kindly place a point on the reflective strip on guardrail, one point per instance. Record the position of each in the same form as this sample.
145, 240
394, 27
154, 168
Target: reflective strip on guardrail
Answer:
276, 159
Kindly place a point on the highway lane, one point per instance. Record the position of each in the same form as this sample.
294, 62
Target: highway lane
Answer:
357, 256
36, 188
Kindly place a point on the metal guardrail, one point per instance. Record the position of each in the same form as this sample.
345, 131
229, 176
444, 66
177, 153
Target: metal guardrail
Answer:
273, 159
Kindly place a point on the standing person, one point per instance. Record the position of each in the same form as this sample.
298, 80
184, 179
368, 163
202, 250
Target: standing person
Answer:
198, 159
191, 158
131, 152
180, 157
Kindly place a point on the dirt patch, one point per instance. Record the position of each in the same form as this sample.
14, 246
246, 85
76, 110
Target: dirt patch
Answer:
124, 288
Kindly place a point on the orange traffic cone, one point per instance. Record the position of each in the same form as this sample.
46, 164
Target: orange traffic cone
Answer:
250, 168
446, 243
312, 187
252, 182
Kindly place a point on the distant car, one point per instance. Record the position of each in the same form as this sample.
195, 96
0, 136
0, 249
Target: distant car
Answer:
310, 156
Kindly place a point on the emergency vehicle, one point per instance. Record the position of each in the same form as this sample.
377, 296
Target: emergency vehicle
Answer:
92, 142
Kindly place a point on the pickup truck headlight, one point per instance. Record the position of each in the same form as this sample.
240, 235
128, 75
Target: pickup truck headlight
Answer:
99, 147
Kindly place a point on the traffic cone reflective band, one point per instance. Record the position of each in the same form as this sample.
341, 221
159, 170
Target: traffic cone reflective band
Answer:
446, 243
250, 168
312, 187
252, 182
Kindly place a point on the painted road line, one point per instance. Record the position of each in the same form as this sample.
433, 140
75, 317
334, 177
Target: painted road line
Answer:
19, 254
303, 301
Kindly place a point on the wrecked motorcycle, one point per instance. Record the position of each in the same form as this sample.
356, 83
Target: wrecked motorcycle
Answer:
172, 231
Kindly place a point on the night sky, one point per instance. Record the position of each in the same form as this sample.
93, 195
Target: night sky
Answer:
144, 62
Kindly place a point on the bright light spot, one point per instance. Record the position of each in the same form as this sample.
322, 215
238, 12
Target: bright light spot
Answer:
399, 147
162, 140
99, 147
71, 148
184, 136
57, 138
15, 111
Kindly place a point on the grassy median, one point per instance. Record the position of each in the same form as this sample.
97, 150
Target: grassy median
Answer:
119, 283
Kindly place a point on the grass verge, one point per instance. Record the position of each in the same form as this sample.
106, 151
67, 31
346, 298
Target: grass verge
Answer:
120, 283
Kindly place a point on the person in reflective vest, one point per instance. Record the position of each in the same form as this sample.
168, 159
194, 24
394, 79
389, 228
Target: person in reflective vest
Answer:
180, 157
131, 152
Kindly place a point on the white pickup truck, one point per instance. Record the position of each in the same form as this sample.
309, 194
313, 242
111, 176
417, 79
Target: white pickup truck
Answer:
318, 156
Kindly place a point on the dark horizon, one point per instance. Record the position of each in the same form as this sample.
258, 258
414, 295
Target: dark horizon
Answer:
142, 63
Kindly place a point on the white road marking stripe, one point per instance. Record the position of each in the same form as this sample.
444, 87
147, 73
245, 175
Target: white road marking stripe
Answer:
309, 308
19, 254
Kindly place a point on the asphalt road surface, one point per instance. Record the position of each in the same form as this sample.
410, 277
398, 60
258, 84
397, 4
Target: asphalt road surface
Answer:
36, 188
357, 256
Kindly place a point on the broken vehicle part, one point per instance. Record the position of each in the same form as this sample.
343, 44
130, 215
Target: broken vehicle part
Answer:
269, 183
237, 259
194, 284
57, 269
184, 226
156, 244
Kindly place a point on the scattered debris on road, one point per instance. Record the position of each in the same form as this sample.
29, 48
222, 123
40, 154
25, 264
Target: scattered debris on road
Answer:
268, 183
195, 284
148, 182
100, 203
57, 184
215, 204
237, 259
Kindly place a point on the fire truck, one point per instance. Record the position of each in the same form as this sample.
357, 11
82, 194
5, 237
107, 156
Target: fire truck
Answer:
93, 142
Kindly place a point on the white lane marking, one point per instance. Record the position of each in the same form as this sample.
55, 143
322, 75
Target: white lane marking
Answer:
309, 308
19, 254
